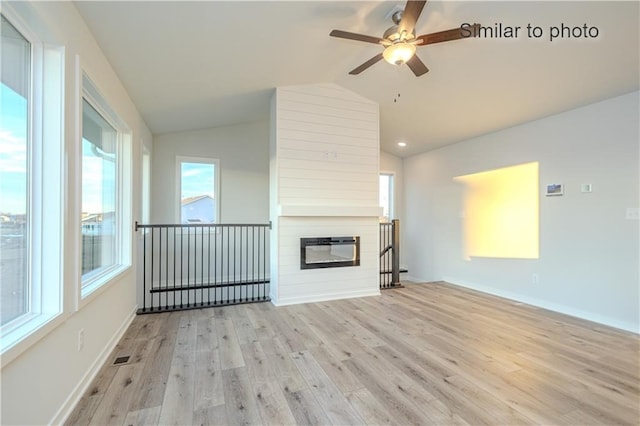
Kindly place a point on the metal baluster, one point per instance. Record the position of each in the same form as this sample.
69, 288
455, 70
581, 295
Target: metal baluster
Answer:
152, 256
389, 256
235, 260
202, 284
395, 228
160, 271
209, 267
264, 263
173, 293
253, 258
228, 265
246, 265
181, 258
382, 264
386, 258
195, 261
383, 260
144, 270
192, 267
258, 270
215, 267
381, 248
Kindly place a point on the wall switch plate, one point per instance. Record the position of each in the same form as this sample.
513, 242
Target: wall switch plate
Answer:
535, 279
585, 187
633, 213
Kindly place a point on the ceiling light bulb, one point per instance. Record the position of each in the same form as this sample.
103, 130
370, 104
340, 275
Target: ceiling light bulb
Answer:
399, 53
402, 144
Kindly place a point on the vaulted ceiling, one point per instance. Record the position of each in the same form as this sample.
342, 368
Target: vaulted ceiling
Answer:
193, 65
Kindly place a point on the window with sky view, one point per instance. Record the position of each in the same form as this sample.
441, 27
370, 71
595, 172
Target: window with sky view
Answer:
14, 173
99, 186
197, 192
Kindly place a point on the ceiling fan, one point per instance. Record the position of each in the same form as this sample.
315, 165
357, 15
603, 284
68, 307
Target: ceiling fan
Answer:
400, 40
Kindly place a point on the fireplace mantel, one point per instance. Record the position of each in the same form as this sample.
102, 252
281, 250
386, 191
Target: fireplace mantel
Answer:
329, 211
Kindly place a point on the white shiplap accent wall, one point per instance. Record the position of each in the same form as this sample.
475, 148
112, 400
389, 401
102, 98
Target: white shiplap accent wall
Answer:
324, 182
328, 147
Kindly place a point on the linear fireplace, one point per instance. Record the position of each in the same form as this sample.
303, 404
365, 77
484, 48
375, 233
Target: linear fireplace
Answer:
329, 252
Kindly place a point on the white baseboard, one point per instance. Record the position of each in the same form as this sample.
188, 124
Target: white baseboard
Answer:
407, 277
563, 309
72, 400
311, 298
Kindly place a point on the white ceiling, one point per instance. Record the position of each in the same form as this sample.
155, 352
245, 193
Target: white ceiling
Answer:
193, 65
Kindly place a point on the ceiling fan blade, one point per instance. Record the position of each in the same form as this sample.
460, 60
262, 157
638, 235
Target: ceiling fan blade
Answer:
366, 65
354, 36
448, 35
417, 66
410, 16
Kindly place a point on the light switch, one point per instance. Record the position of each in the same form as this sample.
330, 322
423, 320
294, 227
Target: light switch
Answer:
585, 187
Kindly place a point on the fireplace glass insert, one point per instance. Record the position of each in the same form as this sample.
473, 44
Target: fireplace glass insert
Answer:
329, 252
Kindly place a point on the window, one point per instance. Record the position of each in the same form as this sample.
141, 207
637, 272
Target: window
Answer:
198, 190
31, 225
99, 179
106, 195
14, 173
386, 195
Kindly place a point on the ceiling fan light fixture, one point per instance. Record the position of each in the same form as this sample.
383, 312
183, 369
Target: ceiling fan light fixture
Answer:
399, 53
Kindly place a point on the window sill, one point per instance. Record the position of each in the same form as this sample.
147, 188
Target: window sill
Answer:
25, 335
98, 285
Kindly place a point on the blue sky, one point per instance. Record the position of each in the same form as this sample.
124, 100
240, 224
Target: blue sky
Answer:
13, 151
197, 179
98, 175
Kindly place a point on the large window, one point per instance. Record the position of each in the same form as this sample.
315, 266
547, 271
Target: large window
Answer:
31, 222
106, 195
14, 173
198, 185
99, 186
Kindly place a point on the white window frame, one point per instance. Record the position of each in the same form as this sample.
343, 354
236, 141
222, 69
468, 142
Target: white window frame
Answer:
392, 193
45, 192
94, 283
216, 183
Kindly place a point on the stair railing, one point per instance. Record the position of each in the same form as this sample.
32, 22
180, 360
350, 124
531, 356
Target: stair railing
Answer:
390, 255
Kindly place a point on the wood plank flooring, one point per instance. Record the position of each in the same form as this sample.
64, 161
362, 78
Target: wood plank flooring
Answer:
424, 354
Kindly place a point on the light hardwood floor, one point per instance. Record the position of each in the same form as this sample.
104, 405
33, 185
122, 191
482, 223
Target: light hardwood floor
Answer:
425, 354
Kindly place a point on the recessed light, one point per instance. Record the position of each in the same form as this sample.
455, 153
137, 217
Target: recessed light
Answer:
402, 144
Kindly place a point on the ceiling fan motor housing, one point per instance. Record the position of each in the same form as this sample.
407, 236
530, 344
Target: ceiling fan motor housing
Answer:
393, 35
397, 16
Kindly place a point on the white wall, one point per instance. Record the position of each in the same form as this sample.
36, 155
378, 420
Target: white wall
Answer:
589, 256
45, 378
243, 151
324, 182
